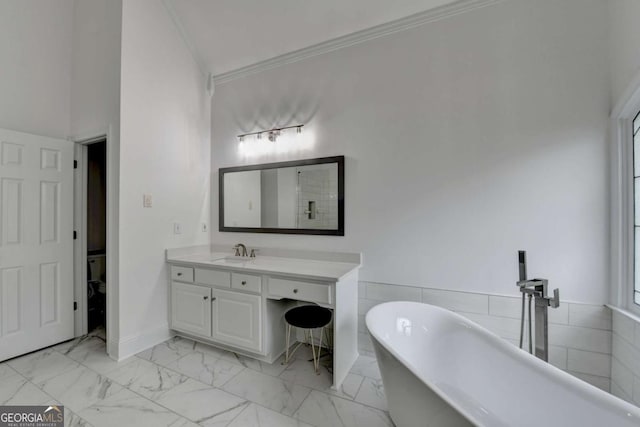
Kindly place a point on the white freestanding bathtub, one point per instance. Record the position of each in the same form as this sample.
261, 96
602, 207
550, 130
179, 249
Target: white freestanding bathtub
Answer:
440, 369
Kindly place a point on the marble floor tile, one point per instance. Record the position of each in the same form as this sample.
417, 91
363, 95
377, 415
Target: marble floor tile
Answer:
79, 345
94, 355
372, 393
206, 368
64, 346
100, 332
79, 388
126, 408
324, 410
202, 404
43, 365
183, 422
209, 349
16, 390
274, 369
257, 416
272, 392
302, 372
71, 419
367, 367
147, 378
168, 351
350, 387
6, 370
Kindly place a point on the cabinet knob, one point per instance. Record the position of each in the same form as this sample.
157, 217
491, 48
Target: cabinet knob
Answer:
206, 298
244, 282
295, 291
213, 299
179, 274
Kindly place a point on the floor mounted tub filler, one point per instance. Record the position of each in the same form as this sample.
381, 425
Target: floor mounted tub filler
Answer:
440, 369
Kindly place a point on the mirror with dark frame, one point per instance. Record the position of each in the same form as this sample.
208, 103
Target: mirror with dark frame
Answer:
296, 197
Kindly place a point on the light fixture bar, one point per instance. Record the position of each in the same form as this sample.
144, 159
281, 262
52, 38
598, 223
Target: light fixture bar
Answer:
274, 131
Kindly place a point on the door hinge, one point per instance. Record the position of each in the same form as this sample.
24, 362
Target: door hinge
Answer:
75, 234
75, 164
75, 306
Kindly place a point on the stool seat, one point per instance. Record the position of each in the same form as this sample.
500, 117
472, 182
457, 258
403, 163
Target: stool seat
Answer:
308, 317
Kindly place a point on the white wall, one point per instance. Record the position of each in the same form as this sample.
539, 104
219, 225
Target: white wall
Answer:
624, 45
35, 64
466, 140
164, 151
95, 88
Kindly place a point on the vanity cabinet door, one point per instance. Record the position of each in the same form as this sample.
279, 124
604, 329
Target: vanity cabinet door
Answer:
237, 319
191, 308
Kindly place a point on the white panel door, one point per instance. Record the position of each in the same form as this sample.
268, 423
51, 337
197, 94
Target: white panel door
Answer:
236, 319
36, 242
191, 308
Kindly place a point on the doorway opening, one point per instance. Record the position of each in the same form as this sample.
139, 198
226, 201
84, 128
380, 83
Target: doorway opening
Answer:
90, 234
96, 287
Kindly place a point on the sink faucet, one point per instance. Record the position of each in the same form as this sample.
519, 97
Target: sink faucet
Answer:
238, 247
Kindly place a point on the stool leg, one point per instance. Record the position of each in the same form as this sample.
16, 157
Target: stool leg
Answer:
288, 332
313, 351
320, 350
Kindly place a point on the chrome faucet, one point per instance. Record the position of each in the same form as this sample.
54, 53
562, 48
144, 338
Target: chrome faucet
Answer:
537, 289
238, 247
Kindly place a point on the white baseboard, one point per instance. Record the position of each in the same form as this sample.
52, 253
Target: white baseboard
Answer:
134, 344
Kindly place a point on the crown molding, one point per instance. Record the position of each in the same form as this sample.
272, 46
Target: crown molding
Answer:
402, 24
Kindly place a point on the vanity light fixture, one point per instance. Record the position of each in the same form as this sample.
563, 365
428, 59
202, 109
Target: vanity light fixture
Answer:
272, 134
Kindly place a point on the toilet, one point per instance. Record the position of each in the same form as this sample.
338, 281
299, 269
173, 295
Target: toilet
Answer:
96, 289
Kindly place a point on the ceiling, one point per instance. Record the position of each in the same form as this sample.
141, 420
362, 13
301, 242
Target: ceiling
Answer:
229, 34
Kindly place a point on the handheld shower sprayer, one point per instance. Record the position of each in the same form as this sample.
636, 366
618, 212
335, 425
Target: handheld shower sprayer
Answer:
536, 289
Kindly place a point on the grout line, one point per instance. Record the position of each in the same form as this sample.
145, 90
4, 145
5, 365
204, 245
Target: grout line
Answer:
359, 388
633, 372
632, 344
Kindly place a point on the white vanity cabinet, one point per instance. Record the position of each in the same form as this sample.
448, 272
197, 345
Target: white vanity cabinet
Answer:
236, 319
240, 306
191, 308
225, 316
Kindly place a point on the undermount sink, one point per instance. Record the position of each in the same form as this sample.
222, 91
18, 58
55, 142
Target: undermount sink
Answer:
232, 258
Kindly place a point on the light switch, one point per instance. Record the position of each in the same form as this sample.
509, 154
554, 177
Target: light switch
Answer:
147, 200
177, 228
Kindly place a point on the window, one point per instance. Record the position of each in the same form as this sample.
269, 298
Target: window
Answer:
625, 199
636, 207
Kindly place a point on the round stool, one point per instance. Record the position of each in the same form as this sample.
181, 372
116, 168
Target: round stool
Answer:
307, 317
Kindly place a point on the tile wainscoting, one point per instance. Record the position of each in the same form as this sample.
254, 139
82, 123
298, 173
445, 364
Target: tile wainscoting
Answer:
579, 334
625, 362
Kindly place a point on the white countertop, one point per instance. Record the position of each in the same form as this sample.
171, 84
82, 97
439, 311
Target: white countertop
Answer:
311, 269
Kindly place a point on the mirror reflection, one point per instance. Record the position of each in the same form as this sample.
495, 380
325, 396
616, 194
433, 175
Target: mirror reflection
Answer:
272, 198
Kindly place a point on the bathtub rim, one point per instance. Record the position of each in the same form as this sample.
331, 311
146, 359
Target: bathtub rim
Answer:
541, 367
